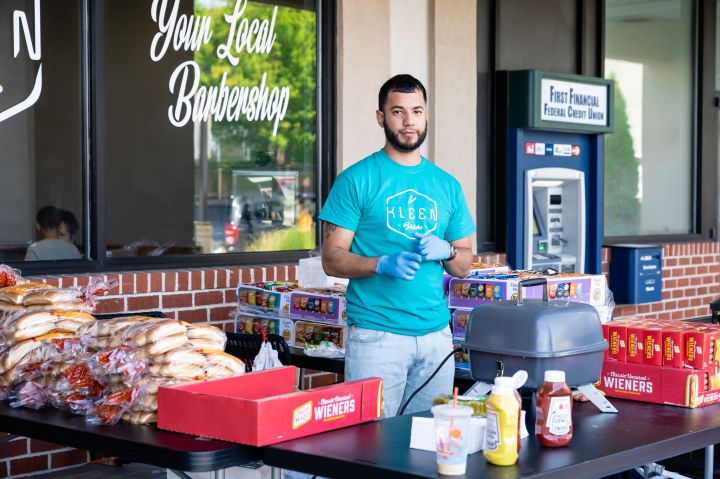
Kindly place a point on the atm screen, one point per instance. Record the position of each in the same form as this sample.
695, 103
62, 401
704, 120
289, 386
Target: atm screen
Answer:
535, 229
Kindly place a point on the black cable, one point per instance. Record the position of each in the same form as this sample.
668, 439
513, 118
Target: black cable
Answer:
402, 409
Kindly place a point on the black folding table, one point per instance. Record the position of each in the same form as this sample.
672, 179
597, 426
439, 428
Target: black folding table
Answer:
133, 442
602, 444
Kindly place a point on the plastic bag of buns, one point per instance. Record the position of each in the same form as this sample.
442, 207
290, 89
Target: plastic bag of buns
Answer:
206, 337
108, 333
15, 294
125, 360
26, 325
158, 336
189, 364
36, 351
74, 402
9, 276
29, 394
110, 409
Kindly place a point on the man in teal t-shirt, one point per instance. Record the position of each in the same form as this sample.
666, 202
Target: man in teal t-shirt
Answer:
392, 223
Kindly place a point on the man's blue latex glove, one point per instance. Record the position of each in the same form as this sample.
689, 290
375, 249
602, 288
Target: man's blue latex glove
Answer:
400, 265
432, 248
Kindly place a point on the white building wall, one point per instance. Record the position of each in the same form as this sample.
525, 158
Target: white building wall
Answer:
433, 40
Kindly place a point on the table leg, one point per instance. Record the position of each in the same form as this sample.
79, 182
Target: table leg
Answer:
219, 474
301, 378
275, 473
709, 452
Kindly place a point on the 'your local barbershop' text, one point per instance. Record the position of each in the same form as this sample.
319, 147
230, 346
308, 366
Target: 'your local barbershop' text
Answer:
196, 102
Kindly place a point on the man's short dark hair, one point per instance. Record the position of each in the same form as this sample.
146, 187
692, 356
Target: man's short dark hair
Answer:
48, 217
402, 83
70, 221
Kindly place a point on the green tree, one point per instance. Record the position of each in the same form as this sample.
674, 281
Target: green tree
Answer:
622, 207
291, 62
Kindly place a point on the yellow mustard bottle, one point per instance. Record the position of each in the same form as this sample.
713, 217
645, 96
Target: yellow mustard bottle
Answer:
501, 428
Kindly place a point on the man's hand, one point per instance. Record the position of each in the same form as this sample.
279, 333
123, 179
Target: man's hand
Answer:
432, 248
400, 265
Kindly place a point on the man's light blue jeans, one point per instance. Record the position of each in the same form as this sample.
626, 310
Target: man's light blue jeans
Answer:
404, 363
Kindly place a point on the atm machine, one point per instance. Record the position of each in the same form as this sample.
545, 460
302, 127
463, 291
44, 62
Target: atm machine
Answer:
549, 169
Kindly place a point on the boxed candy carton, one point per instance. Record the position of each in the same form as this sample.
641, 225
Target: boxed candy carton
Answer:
312, 334
475, 268
319, 305
269, 297
254, 324
462, 358
479, 288
460, 318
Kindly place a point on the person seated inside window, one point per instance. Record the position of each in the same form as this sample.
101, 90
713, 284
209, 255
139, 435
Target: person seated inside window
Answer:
51, 246
68, 226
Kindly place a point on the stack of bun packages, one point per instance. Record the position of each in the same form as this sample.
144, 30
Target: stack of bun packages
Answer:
53, 352
135, 355
38, 326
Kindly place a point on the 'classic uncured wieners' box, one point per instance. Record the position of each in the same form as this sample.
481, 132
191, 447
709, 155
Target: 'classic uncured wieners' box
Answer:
677, 386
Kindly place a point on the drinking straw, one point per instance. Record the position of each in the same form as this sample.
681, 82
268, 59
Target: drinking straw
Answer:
452, 418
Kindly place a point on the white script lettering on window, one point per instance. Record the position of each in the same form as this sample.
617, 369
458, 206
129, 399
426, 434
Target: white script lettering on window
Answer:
196, 102
33, 45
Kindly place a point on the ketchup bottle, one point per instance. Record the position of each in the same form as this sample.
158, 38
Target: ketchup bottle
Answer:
508, 382
553, 411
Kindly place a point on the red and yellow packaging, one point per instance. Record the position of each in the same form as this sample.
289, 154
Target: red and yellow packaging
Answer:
652, 345
263, 408
676, 386
673, 347
701, 348
635, 344
617, 340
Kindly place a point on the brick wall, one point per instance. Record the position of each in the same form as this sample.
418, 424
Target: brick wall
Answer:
691, 279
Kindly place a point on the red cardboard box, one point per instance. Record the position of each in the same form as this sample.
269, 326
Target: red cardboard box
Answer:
617, 338
641, 382
673, 347
652, 342
635, 344
262, 408
700, 348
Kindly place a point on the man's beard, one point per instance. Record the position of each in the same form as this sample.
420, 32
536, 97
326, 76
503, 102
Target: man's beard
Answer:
394, 139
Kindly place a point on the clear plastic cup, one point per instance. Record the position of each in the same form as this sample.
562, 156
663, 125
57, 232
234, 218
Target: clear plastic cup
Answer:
452, 428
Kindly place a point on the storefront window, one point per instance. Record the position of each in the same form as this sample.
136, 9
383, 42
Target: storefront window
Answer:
211, 141
40, 130
648, 159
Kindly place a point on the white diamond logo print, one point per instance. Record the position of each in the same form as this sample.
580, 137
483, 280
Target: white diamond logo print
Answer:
410, 212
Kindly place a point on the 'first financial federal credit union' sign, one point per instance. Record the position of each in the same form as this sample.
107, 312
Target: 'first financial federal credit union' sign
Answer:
560, 102
571, 102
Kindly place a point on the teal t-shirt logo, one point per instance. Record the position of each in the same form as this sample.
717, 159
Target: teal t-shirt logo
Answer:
410, 212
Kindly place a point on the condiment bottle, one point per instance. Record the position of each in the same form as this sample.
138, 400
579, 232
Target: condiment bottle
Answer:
553, 411
509, 382
501, 427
